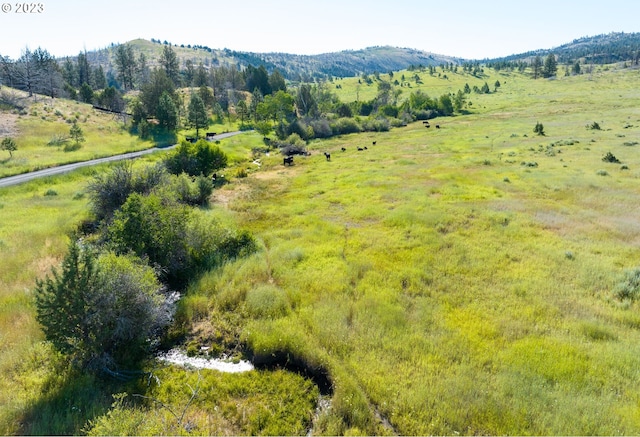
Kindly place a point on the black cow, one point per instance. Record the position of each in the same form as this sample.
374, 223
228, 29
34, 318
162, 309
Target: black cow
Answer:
360, 149
328, 156
374, 143
437, 126
288, 160
343, 149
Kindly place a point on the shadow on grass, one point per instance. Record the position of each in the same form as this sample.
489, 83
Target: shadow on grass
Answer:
69, 400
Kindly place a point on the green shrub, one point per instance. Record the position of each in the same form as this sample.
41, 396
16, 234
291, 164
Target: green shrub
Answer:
345, 126
628, 289
610, 157
196, 159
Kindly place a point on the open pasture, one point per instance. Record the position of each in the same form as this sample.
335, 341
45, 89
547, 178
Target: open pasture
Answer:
452, 280
456, 280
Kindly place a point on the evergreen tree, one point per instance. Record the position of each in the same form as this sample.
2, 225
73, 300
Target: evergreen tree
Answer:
102, 312
536, 66
125, 65
169, 63
550, 66
76, 133
167, 112
197, 114
83, 69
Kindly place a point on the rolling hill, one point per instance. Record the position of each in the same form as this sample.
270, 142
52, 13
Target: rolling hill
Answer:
600, 49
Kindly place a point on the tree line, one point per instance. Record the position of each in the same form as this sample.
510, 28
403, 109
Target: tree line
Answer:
170, 95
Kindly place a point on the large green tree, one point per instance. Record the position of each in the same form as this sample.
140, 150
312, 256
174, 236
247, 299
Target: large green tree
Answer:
197, 116
126, 65
170, 65
167, 112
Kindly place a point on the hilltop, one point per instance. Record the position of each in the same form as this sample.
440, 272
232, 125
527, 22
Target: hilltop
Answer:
293, 67
600, 49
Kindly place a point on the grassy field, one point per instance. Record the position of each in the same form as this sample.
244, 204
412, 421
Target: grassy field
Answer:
448, 281
39, 127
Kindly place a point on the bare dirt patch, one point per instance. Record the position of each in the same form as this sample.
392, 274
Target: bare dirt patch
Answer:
8, 126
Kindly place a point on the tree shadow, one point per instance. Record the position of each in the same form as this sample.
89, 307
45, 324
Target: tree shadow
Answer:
69, 400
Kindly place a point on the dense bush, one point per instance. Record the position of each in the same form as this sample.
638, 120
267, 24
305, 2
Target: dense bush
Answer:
293, 145
321, 128
101, 311
192, 191
196, 159
182, 242
343, 126
378, 124
155, 228
109, 191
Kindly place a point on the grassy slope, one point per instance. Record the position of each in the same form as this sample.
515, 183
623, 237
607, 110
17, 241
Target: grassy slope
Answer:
447, 285
443, 284
46, 119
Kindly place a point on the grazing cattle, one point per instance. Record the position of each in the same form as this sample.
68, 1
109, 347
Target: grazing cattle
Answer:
210, 135
437, 126
373, 143
288, 160
425, 122
343, 149
191, 139
365, 148
360, 149
427, 126
328, 156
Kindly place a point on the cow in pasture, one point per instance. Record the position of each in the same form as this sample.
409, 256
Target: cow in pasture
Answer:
343, 149
374, 143
288, 160
437, 126
328, 156
360, 149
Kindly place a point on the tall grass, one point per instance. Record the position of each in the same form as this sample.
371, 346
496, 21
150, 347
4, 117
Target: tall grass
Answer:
441, 281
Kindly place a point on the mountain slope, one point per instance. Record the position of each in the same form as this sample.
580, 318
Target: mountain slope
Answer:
293, 67
600, 49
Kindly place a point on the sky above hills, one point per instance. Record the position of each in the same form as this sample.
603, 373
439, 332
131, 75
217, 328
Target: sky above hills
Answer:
463, 28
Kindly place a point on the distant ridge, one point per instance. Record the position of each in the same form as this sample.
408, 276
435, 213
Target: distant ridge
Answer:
294, 67
600, 49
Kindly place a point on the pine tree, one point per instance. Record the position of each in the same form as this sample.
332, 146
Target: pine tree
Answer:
197, 114
550, 66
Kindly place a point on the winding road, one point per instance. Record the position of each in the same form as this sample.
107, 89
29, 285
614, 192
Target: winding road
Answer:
25, 177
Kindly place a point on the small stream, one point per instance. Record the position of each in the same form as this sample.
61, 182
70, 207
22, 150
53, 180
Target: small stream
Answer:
180, 358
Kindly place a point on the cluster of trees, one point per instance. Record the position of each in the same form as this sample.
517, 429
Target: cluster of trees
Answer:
110, 302
260, 99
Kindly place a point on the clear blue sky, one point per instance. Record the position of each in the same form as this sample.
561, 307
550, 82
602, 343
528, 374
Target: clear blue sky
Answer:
464, 28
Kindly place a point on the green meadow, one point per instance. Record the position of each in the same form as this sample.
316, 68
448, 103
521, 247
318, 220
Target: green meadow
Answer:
459, 280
